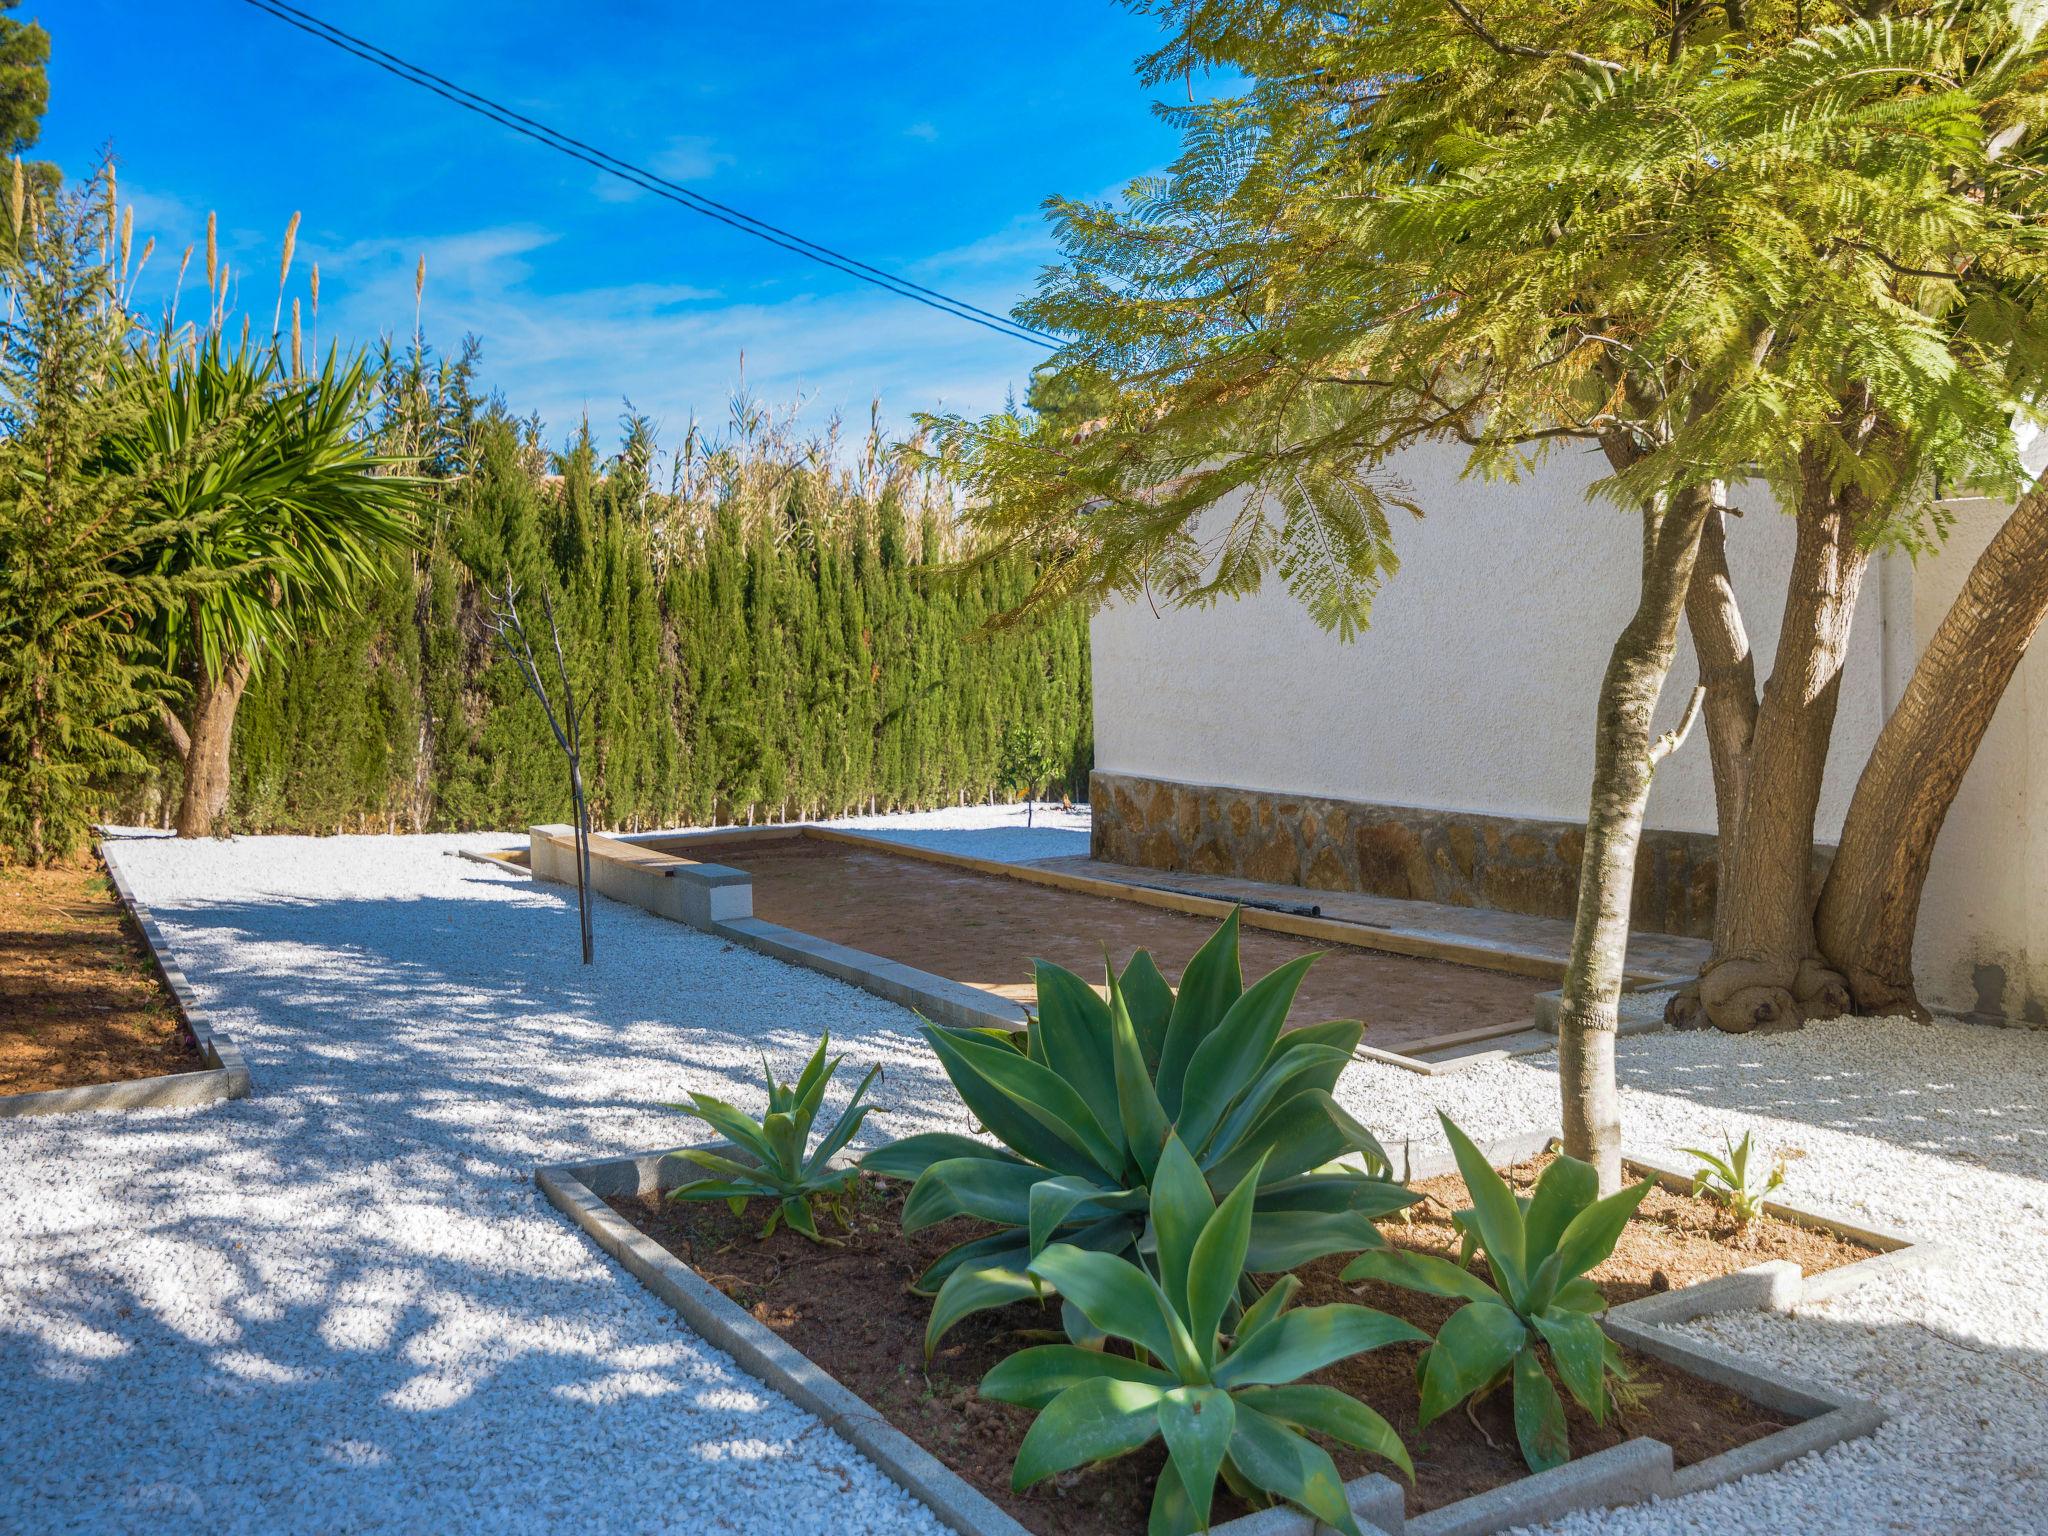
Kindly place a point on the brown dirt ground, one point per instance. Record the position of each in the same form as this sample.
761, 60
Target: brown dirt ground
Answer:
80, 998
849, 1310
986, 930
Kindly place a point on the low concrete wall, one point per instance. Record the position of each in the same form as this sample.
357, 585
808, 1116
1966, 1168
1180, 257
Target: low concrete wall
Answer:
1463, 858
678, 889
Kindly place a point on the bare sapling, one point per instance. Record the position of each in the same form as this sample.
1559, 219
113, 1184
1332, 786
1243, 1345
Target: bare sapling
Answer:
510, 629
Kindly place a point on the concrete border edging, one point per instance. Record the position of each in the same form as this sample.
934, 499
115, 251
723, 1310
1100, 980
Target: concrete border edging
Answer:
225, 1075
1637, 1469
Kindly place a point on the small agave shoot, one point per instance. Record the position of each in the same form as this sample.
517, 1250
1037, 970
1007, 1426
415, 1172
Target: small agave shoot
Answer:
782, 1171
1083, 1108
1228, 1398
1728, 1179
1538, 1249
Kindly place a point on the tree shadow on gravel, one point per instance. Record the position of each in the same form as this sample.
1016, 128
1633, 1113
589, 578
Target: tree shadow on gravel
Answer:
1975, 1094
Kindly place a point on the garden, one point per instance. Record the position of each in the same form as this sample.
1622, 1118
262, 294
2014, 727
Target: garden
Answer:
895, 1160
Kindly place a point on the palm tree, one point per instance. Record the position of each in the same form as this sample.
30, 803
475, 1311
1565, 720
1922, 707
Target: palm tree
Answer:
280, 522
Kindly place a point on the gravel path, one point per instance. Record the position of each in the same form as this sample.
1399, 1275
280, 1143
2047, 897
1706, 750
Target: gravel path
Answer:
342, 1306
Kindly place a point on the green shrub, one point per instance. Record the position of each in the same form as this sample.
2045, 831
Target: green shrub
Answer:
1083, 1107
783, 1172
1229, 1404
1729, 1180
1539, 1250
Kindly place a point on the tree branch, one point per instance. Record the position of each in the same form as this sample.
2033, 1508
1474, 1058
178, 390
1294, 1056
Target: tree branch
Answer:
1524, 50
1673, 739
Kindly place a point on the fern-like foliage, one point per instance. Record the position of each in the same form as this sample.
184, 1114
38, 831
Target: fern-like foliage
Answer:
1776, 242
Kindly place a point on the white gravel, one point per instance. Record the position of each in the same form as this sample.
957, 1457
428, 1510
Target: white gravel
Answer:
342, 1306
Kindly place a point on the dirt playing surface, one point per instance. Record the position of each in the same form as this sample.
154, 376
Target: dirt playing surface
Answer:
849, 1310
986, 929
80, 999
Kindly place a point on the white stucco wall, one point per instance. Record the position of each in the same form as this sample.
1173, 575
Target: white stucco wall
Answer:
1474, 689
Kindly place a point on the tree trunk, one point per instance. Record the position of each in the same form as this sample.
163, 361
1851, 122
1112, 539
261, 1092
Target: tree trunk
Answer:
1871, 903
208, 736
1765, 969
1624, 760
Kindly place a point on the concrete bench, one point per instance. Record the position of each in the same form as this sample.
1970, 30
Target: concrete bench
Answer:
683, 890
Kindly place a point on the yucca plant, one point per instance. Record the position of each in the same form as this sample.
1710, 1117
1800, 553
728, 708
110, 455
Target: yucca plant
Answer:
1538, 1249
1083, 1106
1728, 1179
783, 1171
1227, 1397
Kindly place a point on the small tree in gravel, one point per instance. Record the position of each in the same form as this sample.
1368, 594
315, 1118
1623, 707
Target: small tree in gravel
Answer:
1028, 763
567, 724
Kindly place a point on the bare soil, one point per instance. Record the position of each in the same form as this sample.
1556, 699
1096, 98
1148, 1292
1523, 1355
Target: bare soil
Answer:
80, 998
986, 930
849, 1309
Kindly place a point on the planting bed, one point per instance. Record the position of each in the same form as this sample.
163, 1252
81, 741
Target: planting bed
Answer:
80, 1000
985, 929
849, 1311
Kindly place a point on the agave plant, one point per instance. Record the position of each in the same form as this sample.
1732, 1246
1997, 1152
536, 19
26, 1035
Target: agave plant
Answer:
1229, 1403
1083, 1107
783, 1171
1539, 1249
1730, 1180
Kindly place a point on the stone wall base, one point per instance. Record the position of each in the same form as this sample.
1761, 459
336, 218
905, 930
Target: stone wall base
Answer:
1457, 857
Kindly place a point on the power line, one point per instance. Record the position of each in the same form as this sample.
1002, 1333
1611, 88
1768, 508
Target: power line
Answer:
649, 181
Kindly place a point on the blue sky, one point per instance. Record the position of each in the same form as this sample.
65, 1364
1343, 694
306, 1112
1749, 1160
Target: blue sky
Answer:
920, 137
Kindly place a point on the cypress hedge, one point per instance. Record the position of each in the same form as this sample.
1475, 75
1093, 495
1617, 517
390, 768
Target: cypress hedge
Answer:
770, 636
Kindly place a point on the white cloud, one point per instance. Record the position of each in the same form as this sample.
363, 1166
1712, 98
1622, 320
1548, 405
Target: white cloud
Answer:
926, 131
689, 157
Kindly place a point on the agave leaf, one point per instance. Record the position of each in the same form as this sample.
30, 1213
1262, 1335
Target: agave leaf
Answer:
1216, 1264
1223, 1065
1567, 1187
1051, 1204
996, 1084
1496, 1216
1579, 1295
847, 1126
1173, 1512
1092, 1421
1073, 1028
1114, 1294
809, 1092
1143, 1118
1423, 1272
1592, 1234
1181, 1208
730, 1123
1209, 985
1578, 1344
1283, 1240
971, 1186
1344, 1190
1539, 1416
1197, 1423
908, 1158
969, 1289
1343, 1034
1005, 1250
1269, 1306
1475, 1346
1285, 1073
1328, 1411
1150, 1001
1274, 1458
1300, 1133
1031, 1378
712, 1162
715, 1189
1309, 1338
778, 1127
796, 1211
